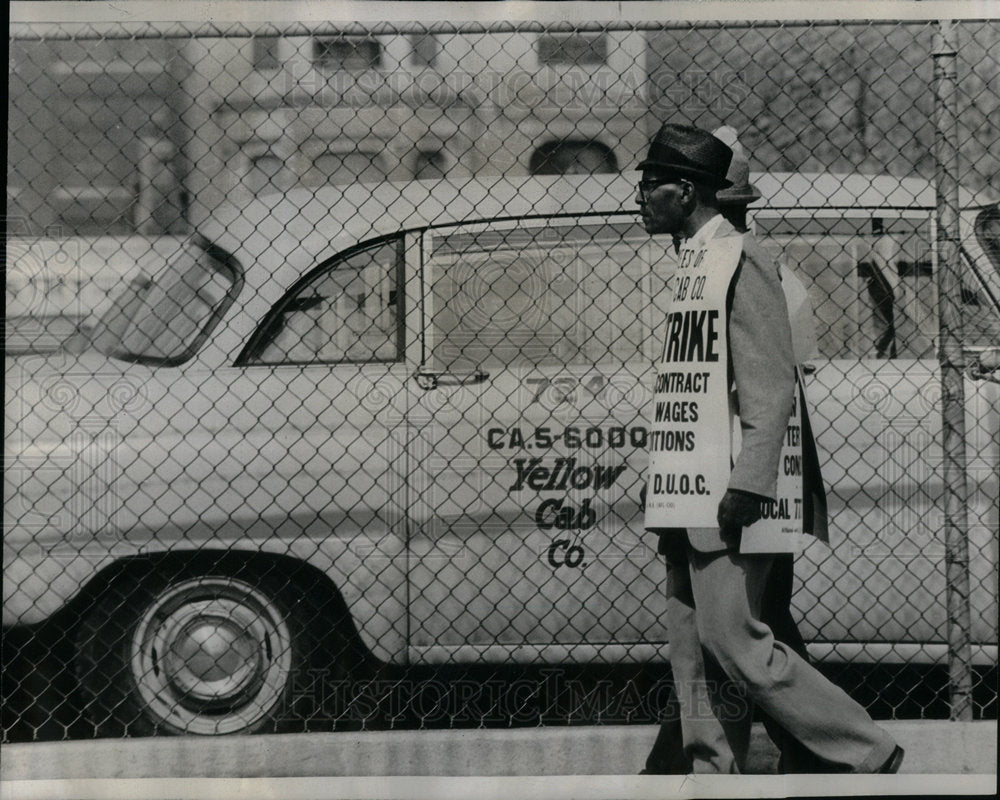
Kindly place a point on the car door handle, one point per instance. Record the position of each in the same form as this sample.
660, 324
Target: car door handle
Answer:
431, 380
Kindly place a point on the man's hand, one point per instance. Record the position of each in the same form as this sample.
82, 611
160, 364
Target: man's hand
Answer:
737, 510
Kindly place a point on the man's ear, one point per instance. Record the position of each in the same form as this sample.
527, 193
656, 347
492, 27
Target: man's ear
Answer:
689, 197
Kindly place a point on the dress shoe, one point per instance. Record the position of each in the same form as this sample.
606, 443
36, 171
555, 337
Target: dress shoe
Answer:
892, 763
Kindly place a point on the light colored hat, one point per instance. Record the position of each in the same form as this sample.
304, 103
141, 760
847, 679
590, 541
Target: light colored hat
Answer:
741, 192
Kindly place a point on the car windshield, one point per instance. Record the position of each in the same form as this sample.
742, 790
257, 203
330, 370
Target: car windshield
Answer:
164, 318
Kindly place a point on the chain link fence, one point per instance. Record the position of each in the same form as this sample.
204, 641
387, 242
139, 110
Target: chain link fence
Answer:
329, 356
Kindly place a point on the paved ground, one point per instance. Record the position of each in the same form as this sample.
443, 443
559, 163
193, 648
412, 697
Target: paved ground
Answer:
933, 748
607, 787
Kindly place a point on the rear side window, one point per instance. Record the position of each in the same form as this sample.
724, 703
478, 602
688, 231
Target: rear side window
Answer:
349, 309
165, 318
981, 291
987, 227
872, 285
537, 296
869, 280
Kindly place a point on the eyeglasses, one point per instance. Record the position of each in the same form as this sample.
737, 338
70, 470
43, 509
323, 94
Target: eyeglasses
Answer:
648, 186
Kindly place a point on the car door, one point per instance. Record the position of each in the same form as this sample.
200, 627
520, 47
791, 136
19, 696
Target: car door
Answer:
529, 440
322, 385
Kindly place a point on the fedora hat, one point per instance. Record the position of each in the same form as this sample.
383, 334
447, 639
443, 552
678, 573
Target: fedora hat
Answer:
741, 192
689, 152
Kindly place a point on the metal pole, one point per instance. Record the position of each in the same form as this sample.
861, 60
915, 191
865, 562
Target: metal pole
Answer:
952, 362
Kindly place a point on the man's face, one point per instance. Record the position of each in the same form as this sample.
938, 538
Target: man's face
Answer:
661, 202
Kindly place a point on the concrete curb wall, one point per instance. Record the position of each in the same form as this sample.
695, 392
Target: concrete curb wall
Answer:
932, 747
547, 787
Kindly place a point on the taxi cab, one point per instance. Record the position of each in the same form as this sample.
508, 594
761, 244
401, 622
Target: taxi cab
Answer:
407, 423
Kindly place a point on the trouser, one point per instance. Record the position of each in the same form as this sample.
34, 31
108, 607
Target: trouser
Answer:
725, 660
667, 757
776, 613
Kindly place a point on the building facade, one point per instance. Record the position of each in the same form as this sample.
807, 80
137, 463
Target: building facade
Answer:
147, 135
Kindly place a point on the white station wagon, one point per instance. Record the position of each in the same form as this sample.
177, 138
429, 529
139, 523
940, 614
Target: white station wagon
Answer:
407, 424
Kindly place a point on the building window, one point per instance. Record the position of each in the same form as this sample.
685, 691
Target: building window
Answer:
266, 52
568, 157
429, 164
424, 48
339, 169
349, 53
268, 172
573, 49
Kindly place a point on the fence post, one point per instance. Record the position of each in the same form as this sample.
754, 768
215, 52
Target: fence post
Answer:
952, 362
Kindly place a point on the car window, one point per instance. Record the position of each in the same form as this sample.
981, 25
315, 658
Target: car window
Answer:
347, 310
164, 319
536, 296
872, 285
980, 294
869, 280
987, 228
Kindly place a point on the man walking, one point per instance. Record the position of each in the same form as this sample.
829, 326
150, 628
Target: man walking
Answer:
667, 754
725, 394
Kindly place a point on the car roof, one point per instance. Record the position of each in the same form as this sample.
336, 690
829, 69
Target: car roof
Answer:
854, 190
357, 212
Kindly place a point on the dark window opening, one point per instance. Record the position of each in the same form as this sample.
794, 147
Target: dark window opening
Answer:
913, 269
347, 53
568, 157
425, 48
429, 164
577, 49
265, 52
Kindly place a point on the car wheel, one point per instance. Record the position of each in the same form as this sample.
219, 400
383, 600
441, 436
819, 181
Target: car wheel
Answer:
209, 654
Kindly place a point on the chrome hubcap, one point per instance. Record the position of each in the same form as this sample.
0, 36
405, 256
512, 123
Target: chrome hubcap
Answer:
212, 655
